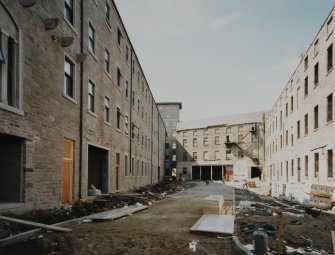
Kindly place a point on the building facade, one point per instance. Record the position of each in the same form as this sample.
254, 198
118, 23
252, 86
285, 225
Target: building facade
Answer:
75, 107
230, 147
170, 112
299, 130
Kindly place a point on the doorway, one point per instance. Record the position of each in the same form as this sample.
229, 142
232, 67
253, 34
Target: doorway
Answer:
195, 172
117, 171
256, 172
97, 168
11, 170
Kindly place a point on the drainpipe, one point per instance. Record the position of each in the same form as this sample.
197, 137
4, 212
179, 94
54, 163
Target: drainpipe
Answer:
152, 140
158, 173
81, 98
131, 110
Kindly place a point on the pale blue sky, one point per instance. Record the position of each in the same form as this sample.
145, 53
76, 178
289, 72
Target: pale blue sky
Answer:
221, 57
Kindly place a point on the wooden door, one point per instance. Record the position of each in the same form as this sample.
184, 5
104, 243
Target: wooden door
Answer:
67, 179
117, 171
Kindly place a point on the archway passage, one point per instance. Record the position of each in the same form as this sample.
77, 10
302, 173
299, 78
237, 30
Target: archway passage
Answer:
205, 173
217, 173
195, 172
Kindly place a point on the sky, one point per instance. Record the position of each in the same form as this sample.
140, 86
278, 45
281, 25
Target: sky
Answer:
221, 57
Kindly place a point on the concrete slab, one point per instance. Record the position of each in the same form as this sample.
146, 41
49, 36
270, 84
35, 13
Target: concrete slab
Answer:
223, 224
117, 213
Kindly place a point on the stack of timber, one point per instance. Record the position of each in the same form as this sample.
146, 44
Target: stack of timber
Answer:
321, 196
213, 204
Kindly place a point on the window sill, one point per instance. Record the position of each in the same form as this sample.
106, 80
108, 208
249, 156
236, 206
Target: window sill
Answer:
70, 25
329, 35
316, 85
329, 122
315, 54
119, 47
108, 75
109, 27
11, 109
330, 70
306, 96
315, 130
93, 55
92, 113
118, 130
70, 98
108, 123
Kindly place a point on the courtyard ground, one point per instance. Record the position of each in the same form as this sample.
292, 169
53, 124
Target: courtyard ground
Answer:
165, 228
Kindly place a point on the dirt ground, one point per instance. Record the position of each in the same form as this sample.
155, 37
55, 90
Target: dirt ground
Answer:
165, 229
162, 229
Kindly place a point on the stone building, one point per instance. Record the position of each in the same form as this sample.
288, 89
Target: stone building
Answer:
75, 107
230, 147
299, 130
170, 114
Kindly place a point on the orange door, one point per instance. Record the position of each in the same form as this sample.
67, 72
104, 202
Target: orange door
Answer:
67, 171
117, 170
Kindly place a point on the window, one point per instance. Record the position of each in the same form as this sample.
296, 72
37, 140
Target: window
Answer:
118, 118
291, 104
133, 166
205, 155
217, 131
330, 107
306, 62
298, 93
91, 95
286, 110
306, 123
195, 155
195, 142
330, 25
316, 47
184, 156
306, 165
298, 169
316, 117
184, 170
240, 137
184, 142
69, 87
330, 163
286, 138
298, 129
119, 77
107, 60
281, 120
228, 130
167, 157
119, 37
330, 57
127, 53
133, 98
106, 109
228, 154
216, 155
126, 125
292, 167
206, 140
195, 133
68, 11
217, 140
306, 86
127, 89
91, 38
108, 14
316, 74
125, 165
316, 165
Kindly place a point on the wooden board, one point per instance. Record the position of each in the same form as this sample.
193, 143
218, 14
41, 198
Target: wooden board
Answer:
35, 224
222, 224
117, 213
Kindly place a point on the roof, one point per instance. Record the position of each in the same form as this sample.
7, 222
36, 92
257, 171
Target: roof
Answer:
170, 103
224, 120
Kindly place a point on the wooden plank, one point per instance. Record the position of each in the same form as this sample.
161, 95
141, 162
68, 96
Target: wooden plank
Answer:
333, 239
35, 224
117, 213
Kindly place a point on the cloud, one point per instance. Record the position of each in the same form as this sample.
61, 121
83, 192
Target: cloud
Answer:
224, 21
